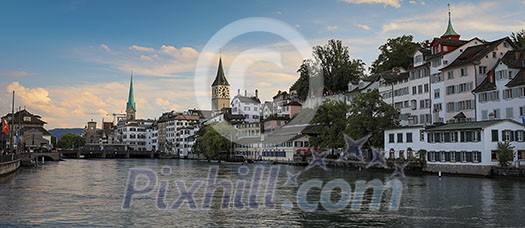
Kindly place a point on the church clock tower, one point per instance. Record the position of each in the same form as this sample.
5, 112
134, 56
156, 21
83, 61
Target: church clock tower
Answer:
220, 91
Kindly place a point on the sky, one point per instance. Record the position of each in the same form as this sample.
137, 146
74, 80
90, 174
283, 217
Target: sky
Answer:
71, 61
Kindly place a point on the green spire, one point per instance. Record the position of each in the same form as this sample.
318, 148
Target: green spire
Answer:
131, 97
450, 30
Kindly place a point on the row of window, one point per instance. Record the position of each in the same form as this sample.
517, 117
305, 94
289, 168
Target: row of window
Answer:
508, 135
454, 156
420, 89
274, 154
400, 138
514, 93
496, 114
460, 106
460, 88
454, 136
416, 74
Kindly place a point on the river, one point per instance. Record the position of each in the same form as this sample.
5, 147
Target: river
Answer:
91, 193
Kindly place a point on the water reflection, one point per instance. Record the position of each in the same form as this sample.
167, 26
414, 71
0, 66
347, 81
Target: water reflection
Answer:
90, 192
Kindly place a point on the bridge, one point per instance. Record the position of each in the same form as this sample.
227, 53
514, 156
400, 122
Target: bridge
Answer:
48, 156
107, 154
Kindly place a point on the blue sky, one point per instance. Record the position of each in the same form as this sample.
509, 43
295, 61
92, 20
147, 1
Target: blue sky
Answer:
70, 61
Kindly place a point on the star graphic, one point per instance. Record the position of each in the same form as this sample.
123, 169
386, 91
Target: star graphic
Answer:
354, 148
399, 170
378, 158
292, 178
318, 160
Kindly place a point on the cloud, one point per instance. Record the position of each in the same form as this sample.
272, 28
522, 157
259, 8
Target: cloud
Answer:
15, 73
465, 19
362, 26
105, 48
162, 102
140, 48
413, 2
392, 3
331, 27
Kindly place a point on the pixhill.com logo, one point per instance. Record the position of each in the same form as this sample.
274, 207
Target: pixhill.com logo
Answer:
259, 191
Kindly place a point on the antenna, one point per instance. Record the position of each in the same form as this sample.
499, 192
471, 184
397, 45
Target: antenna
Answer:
220, 52
448, 10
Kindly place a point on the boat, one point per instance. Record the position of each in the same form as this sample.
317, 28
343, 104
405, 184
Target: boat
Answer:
166, 156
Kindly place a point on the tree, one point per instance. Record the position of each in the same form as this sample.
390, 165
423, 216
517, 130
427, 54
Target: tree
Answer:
336, 66
70, 140
54, 141
213, 141
302, 85
505, 153
369, 114
331, 70
518, 38
331, 117
396, 52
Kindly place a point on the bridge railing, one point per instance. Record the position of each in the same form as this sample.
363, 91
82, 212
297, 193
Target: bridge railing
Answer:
8, 158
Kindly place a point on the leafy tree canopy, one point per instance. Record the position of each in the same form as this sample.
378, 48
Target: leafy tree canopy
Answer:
396, 52
70, 140
369, 114
519, 38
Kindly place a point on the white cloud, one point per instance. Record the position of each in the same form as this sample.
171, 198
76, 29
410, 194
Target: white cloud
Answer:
331, 27
362, 26
141, 49
392, 3
413, 2
422, 3
162, 102
465, 19
105, 48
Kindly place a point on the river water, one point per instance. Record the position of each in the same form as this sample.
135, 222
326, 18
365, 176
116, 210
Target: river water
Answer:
91, 193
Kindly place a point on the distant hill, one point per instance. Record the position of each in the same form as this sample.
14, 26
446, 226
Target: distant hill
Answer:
58, 132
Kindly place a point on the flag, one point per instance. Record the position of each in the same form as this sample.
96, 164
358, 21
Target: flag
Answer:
5, 126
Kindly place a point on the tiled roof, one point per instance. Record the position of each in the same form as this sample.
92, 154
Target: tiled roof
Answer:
487, 84
475, 53
243, 99
514, 59
518, 80
468, 125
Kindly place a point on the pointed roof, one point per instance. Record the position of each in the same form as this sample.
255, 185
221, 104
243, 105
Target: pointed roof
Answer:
450, 30
131, 97
220, 79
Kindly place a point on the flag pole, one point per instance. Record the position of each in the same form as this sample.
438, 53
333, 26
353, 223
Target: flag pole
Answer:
11, 144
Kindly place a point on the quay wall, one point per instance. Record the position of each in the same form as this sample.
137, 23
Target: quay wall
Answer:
8, 164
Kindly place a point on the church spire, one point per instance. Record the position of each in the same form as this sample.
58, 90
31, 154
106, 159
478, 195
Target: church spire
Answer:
220, 79
450, 33
130, 106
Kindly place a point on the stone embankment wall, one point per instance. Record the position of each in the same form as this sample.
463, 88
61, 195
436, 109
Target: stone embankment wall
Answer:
459, 169
8, 164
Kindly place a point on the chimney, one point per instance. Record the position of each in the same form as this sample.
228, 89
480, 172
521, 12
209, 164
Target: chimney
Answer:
245, 93
256, 93
239, 92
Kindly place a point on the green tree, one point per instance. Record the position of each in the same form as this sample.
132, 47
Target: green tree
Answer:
302, 85
70, 140
211, 140
396, 52
505, 153
518, 38
369, 114
336, 66
331, 117
54, 141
